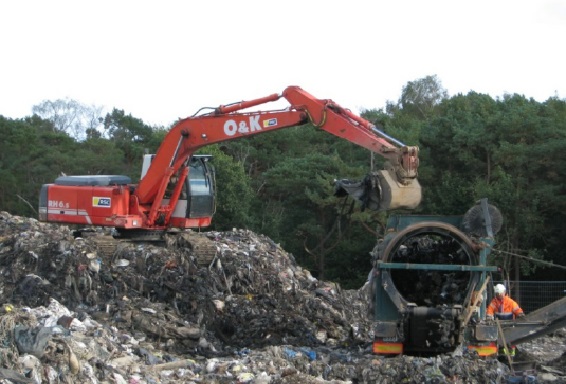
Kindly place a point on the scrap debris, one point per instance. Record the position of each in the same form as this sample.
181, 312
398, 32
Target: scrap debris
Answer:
81, 310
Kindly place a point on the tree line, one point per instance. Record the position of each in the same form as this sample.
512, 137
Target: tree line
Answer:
510, 150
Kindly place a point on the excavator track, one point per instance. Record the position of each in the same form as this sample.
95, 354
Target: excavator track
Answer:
106, 245
201, 247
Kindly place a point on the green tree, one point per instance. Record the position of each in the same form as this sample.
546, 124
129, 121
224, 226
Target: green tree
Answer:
532, 142
506, 150
459, 145
298, 207
130, 134
100, 156
233, 191
31, 153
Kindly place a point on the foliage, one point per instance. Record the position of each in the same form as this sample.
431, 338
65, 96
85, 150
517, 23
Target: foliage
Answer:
299, 209
30, 152
507, 150
130, 135
234, 193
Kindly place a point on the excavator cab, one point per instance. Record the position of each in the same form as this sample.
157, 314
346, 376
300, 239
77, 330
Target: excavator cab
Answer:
197, 202
200, 187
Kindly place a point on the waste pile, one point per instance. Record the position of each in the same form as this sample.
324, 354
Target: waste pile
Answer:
92, 309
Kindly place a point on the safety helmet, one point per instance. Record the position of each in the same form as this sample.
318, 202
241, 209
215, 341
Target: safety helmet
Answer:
499, 288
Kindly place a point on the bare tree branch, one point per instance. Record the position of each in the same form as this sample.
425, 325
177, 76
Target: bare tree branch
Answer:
28, 203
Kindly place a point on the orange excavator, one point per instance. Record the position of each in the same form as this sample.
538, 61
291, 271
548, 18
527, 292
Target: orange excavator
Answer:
176, 190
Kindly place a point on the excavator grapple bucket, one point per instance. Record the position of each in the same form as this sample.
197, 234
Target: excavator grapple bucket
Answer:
380, 191
394, 195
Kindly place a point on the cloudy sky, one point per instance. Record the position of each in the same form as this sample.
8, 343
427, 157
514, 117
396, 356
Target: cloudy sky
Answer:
163, 60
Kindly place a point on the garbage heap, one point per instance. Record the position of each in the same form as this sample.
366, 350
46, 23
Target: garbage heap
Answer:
94, 310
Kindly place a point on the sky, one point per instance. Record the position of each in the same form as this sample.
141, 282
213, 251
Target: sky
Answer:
160, 61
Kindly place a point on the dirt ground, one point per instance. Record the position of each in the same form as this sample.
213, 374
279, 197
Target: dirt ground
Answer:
89, 310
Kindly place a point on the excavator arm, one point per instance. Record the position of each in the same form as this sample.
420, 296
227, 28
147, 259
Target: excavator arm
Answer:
394, 187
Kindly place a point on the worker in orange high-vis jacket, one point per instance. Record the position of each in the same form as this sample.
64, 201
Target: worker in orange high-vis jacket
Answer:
502, 306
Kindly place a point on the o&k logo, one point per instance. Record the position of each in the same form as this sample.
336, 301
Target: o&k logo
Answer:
231, 127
